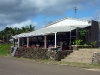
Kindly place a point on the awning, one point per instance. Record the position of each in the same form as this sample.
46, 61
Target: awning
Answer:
49, 30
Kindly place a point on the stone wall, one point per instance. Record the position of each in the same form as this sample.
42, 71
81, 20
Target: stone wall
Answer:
58, 55
38, 53
96, 58
35, 53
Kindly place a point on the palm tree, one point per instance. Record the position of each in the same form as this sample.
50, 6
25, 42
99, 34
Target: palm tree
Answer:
24, 29
28, 28
16, 31
31, 28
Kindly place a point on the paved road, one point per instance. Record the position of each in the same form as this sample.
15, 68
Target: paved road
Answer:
13, 66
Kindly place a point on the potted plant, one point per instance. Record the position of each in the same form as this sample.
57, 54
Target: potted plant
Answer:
76, 44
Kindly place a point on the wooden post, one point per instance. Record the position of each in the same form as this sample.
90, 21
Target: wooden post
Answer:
14, 41
27, 41
18, 41
55, 40
45, 41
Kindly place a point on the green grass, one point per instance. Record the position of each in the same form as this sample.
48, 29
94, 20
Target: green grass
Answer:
71, 64
4, 49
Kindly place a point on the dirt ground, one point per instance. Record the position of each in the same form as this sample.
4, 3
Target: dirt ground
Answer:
15, 66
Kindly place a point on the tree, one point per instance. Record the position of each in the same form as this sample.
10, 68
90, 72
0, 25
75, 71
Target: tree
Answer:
2, 35
31, 28
24, 29
82, 34
28, 28
6, 34
16, 31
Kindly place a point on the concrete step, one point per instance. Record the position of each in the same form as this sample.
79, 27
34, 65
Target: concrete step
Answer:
74, 56
79, 61
82, 55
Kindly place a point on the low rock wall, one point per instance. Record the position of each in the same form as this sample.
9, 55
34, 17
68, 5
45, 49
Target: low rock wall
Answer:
35, 53
38, 53
96, 58
58, 55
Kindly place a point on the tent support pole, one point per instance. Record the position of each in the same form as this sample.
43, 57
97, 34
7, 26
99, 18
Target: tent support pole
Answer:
27, 41
45, 41
55, 39
18, 42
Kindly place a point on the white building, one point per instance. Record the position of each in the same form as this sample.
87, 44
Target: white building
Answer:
61, 30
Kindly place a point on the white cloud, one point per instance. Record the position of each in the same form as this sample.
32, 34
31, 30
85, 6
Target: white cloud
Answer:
20, 12
25, 23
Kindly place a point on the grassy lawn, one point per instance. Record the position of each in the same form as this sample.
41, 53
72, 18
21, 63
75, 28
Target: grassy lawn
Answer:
4, 49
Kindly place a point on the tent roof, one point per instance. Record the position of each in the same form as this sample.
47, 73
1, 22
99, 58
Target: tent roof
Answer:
64, 25
47, 30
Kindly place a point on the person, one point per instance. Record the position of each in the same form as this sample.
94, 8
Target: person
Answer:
61, 43
64, 46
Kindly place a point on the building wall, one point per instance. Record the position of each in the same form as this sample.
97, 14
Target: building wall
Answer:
99, 36
94, 31
92, 34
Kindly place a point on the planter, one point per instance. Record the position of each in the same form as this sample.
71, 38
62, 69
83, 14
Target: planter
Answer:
75, 47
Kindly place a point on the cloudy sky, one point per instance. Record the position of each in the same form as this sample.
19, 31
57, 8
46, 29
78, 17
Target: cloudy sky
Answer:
18, 13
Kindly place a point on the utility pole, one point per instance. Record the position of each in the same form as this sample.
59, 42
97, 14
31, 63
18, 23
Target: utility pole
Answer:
75, 9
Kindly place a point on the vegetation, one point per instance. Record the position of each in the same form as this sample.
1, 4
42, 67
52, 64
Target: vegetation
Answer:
4, 49
82, 35
77, 42
94, 43
82, 40
6, 34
